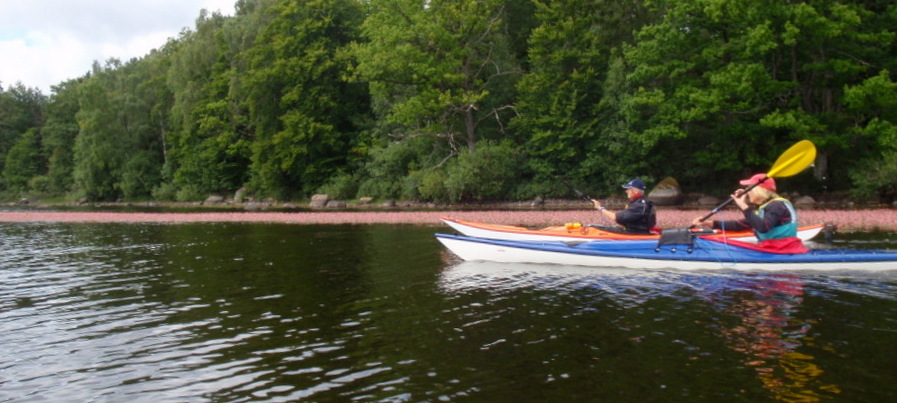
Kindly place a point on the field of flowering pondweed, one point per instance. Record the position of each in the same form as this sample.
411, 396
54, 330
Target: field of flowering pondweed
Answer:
844, 220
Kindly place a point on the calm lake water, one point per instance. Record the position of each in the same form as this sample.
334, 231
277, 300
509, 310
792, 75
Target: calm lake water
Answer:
274, 312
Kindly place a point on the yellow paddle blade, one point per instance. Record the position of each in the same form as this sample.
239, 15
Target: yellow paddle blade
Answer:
790, 163
793, 160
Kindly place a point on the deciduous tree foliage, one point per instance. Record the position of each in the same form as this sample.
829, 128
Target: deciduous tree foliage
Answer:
209, 141
301, 111
567, 115
21, 109
731, 83
59, 135
471, 100
24, 161
437, 68
99, 149
119, 150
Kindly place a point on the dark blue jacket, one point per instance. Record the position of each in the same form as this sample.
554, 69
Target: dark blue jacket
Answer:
639, 217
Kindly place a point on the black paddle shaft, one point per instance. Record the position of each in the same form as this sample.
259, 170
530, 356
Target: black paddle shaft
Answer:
728, 201
577, 191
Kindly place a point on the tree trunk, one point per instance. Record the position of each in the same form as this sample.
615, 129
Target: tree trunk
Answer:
471, 129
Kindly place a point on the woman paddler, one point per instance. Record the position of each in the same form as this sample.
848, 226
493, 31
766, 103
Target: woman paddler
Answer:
772, 217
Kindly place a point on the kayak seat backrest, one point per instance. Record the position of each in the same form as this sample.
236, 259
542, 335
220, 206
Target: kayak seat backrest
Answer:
681, 237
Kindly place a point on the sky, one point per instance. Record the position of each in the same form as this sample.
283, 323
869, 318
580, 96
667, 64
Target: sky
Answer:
46, 42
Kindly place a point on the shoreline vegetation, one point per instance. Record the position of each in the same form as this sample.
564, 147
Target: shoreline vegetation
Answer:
380, 100
525, 214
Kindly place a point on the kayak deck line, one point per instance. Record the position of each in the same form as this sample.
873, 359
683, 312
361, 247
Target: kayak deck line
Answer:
594, 232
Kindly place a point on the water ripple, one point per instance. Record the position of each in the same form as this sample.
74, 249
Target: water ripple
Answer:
227, 313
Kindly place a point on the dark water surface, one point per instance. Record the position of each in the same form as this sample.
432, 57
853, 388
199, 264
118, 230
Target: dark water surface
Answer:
268, 312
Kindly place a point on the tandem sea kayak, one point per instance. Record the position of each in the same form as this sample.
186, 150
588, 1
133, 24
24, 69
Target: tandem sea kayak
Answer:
697, 254
579, 232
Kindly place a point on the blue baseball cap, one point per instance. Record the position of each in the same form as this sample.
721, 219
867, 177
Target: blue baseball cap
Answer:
635, 183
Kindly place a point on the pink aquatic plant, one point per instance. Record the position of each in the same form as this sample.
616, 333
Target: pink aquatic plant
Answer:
845, 220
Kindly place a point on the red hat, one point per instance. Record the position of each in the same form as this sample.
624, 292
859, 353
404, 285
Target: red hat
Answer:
762, 179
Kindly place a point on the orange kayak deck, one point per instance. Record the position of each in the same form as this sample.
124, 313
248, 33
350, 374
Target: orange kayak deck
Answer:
590, 232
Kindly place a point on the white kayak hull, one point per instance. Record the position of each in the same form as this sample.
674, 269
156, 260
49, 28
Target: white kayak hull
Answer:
582, 254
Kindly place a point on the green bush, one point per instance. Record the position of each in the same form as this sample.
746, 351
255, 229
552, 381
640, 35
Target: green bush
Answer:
432, 185
397, 169
189, 193
410, 187
379, 188
342, 186
165, 191
491, 173
875, 178
535, 188
40, 184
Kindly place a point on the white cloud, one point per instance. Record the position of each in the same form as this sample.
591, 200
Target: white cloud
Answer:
45, 42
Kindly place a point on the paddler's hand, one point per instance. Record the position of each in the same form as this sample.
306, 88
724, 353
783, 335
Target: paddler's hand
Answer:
741, 198
698, 222
597, 204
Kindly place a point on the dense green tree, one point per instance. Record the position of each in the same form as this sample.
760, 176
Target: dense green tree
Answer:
119, 150
21, 109
732, 84
149, 110
99, 155
301, 111
209, 148
520, 21
836, 45
438, 68
567, 130
23, 162
874, 103
59, 134
701, 87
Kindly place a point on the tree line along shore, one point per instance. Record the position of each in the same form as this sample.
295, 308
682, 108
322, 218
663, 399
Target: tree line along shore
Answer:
451, 102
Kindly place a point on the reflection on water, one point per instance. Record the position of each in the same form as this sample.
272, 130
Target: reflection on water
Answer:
279, 313
762, 313
769, 331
